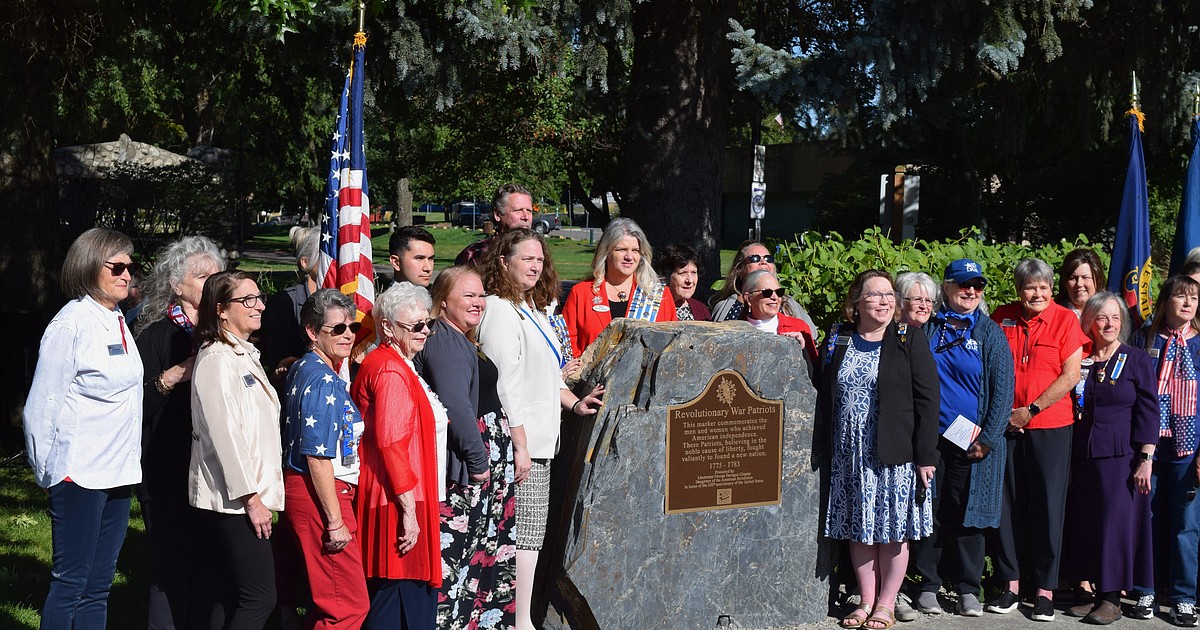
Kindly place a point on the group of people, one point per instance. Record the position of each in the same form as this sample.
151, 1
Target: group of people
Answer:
412, 474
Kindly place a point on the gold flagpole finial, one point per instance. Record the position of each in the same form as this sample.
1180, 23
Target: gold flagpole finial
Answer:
362, 16
1134, 101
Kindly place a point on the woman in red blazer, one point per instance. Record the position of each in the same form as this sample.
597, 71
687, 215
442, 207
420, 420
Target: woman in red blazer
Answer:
623, 285
764, 297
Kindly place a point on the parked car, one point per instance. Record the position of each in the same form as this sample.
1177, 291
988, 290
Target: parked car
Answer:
470, 214
546, 223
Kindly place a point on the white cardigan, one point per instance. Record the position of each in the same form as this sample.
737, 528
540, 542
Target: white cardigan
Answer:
530, 377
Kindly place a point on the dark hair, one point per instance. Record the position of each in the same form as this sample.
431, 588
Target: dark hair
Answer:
1174, 285
312, 313
497, 281
1189, 269
850, 305
674, 257
86, 257
218, 288
1070, 263
398, 244
500, 199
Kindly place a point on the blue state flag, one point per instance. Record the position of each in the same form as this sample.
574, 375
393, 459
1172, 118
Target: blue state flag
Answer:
1129, 274
1187, 226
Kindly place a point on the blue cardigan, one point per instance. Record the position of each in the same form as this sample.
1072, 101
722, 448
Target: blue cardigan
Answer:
986, 497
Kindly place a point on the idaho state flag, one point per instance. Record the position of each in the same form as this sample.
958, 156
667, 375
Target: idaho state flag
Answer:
1129, 274
1187, 228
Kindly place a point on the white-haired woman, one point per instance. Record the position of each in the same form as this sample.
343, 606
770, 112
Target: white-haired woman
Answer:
402, 477
917, 294
164, 339
82, 421
1046, 344
623, 284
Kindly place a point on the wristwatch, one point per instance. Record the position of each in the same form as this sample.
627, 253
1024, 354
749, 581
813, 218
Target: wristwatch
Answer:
1034, 409
1144, 456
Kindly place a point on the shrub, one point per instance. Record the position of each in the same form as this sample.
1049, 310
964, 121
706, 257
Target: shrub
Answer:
817, 269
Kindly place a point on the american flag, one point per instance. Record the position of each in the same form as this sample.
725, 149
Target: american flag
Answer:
346, 224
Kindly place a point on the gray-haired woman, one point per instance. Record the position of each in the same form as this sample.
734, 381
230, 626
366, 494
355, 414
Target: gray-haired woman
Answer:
1046, 344
81, 425
623, 284
321, 432
164, 340
916, 294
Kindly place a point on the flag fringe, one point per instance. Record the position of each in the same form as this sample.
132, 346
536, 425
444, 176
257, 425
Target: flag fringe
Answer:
360, 39
1141, 118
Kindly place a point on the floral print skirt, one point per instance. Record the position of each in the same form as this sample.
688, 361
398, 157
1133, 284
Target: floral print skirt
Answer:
479, 550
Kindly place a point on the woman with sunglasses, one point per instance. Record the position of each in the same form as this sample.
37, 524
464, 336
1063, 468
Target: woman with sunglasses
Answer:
321, 431
164, 340
236, 477
478, 544
764, 297
877, 409
517, 334
1046, 345
402, 477
976, 384
622, 285
83, 421
729, 304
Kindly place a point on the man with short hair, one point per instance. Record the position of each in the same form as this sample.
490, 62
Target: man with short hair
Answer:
512, 207
411, 254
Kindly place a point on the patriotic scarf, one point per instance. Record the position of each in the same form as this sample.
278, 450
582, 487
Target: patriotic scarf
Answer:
179, 318
644, 305
683, 312
1177, 396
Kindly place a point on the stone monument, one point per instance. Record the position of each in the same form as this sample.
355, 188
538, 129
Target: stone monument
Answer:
737, 540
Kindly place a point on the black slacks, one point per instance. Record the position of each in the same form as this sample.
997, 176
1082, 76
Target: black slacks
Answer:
239, 587
953, 550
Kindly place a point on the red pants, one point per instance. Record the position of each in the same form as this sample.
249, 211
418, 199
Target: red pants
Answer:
339, 589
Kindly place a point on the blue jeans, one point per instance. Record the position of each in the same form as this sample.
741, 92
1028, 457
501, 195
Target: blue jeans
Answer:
88, 528
1176, 523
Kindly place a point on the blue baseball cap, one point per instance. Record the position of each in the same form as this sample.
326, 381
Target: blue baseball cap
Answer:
963, 270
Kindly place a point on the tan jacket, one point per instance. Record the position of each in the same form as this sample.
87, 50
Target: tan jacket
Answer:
235, 430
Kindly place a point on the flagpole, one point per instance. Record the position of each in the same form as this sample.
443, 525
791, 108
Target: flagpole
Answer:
1196, 100
362, 16
1134, 101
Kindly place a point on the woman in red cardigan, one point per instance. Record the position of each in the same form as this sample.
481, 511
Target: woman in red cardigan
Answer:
403, 468
764, 297
623, 285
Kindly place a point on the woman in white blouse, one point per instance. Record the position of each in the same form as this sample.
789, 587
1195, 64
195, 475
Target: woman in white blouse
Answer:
517, 335
83, 423
236, 471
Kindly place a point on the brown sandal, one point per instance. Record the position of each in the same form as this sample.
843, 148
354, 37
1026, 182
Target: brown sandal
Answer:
882, 618
857, 618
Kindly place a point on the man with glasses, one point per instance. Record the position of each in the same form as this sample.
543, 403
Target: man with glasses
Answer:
752, 256
512, 207
975, 372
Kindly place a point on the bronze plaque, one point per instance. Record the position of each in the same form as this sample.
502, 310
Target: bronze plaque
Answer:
724, 449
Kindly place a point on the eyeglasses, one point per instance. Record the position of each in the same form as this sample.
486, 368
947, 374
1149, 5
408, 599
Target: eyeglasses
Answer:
766, 293
340, 329
880, 296
754, 259
418, 327
249, 301
119, 268
975, 284
920, 300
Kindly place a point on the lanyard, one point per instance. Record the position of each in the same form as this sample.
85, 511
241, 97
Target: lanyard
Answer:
557, 355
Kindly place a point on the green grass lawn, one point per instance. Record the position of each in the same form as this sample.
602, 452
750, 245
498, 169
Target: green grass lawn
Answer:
25, 557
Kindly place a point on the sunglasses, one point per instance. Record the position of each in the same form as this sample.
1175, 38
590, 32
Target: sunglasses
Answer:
766, 292
119, 268
340, 329
249, 301
754, 259
422, 326
975, 283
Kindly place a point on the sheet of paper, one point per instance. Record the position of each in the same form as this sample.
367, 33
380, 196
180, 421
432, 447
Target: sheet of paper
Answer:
962, 432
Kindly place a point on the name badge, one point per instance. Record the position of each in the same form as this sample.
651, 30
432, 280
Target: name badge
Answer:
249, 380
1008, 322
116, 350
1154, 353
600, 308
843, 341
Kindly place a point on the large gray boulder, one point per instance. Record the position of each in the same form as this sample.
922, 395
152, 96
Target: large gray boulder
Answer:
617, 560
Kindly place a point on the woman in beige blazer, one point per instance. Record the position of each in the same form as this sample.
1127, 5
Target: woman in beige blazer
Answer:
516, 333
236, 477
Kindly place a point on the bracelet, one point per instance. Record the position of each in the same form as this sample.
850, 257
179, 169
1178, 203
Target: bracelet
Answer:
162, 386
577, 401
334, 529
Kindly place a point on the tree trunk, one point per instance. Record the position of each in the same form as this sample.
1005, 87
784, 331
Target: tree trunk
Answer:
677, 122
403, 214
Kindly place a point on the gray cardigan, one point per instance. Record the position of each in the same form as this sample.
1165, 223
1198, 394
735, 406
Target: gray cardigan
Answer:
986, 497
448, 363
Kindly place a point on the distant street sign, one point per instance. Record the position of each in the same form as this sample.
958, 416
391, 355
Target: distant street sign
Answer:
758, 200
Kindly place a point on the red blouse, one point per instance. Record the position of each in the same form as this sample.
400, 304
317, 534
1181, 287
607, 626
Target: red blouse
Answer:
585, 323
399, 454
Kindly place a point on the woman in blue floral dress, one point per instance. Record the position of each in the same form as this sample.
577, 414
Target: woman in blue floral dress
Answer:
477, 517
879, 410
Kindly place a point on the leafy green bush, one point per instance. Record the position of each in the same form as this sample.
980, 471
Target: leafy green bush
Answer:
817, 269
